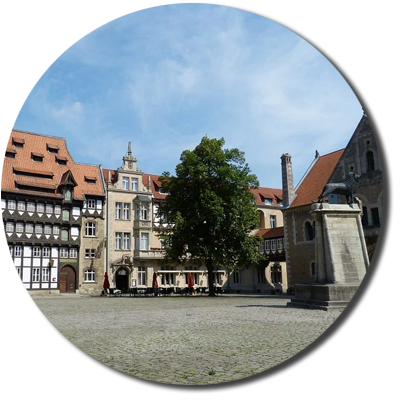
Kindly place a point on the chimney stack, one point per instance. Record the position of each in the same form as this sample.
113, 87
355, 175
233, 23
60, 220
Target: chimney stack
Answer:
287, 180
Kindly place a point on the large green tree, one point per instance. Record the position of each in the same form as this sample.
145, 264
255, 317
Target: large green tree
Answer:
210, 211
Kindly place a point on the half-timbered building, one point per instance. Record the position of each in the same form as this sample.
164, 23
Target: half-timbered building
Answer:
47, 201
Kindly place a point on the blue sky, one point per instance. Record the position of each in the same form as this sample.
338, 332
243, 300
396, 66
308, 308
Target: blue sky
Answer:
164, 77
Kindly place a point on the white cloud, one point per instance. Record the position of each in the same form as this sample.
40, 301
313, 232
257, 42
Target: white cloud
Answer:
70, 113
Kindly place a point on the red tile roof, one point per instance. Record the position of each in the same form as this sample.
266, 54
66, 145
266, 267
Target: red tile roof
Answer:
312, 184
155, 185
113, 174
39, 144
267, 193
271, 232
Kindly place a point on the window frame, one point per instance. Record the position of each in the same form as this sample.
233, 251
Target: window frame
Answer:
90, 229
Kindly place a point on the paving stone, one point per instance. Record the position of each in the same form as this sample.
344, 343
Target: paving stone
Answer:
186, 340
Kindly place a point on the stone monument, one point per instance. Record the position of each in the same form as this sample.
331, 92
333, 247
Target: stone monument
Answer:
341, 258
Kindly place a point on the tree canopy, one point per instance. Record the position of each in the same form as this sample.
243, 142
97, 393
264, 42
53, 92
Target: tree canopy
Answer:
210, 211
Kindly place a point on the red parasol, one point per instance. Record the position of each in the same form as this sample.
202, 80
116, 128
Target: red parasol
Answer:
106, 284
155, 283
190, 280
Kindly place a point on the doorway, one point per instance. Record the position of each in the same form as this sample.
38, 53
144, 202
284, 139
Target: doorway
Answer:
67, 280
122, 279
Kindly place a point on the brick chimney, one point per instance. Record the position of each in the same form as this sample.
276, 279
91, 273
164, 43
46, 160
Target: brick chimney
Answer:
287, 180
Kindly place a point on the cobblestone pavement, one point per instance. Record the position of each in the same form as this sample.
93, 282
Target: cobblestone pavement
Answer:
186, 340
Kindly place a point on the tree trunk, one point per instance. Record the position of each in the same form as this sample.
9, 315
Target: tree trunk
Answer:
210, 274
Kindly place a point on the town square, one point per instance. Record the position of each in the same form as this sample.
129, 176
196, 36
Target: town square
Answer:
183, 216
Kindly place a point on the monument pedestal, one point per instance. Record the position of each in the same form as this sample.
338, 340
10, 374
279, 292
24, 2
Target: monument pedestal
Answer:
341, 258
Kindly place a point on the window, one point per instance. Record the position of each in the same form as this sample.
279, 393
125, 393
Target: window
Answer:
236, 277
38, 229
73, 253
276, 273
47, 229
118, 207
49, 209
134, 184
127, 241
21, 206
57, 210
141, 275
272, 221
29, 228
19, 227
63, 252
125, 183
118, 241
126, 211
90, 229
17, 251
273, 244
45, 274
10, 249
309, 231
30, 206
375, 216
280, 244
64, 235
90, 253
144, 241
3, 204
36, 251
364, 218
46, 252
65, 215
40, 207
142, 212
267, 244
36, 275
9, 227
91, 204
11, 204
370, 161
67, 194
90, 275
56, 230
268, 202
313, 268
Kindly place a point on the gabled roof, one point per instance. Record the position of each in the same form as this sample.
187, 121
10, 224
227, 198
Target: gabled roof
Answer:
22, 173
313, 183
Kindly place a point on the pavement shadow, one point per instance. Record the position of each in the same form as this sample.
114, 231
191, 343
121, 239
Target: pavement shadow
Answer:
264, 306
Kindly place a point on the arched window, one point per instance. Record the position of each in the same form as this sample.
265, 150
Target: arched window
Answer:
370, 161
309, 231
261, 220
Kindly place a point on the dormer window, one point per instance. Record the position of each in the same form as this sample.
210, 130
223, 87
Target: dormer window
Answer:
10, 153
267, 201
52, 148
90, 179
18, 142
61, 160
67, 194
37, 157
